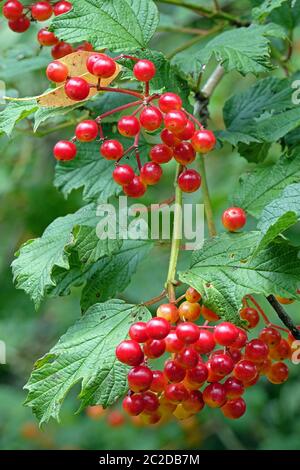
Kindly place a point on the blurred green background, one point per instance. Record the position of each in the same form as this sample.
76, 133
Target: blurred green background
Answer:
29, 202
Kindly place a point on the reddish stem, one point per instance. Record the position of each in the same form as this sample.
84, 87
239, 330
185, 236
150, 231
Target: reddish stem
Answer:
121, 90
117, 110
147, 88
194, 119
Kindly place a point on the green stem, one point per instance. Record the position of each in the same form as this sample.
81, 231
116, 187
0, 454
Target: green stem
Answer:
176, 239
184, 46
206, 198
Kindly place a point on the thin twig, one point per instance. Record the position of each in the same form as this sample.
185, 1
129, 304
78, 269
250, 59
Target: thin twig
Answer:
284, 317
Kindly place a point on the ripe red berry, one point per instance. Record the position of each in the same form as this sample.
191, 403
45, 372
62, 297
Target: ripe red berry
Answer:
174, 371
123, 174
62, 7
233, 218
91, 60
169, 312
173, 343
112, 149
241, 340
161, 153
133, 404
192, 295
212, 377
154, 348
234, 409
136, 187
226, 333
128, 126
138, 332
61, 49
176, 392
144, 70
221, 364
189, 311
175, 121
234, 388
86, 46
169, 102
256, 351
41, 11
278, 373
151, 118
139, 378
104, 66
46, 38
12, 10
270, 336
151, 402
196, 376
189, 181
159, 381
235, 354
158, 328
209, 315
20, 25
129, 352
251, 316
151, 173
281, 351
87, 131
57, 72
169, 138
187, 332
206, 342
64, 150
245, 371
188, 357
188, 132
214, 395
77, 88
184, 153
203, 141
195, 402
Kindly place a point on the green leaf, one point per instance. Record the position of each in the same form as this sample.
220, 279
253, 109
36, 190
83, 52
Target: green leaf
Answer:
110, 276
257, 188
12, 67
32, 269
226, 269
90, 248
86, 354
116, 24
262, 12
13, 113
43, 114
280, 214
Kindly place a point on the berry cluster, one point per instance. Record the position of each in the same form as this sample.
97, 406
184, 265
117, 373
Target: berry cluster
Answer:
208, 365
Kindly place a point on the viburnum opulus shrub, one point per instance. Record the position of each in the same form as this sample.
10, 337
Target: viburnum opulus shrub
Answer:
135, 113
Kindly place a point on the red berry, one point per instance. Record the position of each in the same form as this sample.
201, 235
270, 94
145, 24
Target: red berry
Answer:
87, 131
233, 218
189, 311
206, 342
226, 333
212, 377
91, 60
250, 315
41, 11
151, 173
138, 332
133, 404
46, 38
234, 388
61, 49
189, 181
192, 295
104, 67
270, 336
281, 351
161, 153
184, 153
234, 409
208, 314
20, 25
169, 312
129, 352
136, 187
195, 402
154, 348
214, 395
188, 132
241, 340
188, 357
176, 393
151, 118
174, 371
169, 102
175, 121
151, 402
173, 343
159, 381
245, 371
57, 72
187, 332
123, 174
221, 364
62, 7
235, 354
203, 141
86, 46
112, 150
158, 328
64, 150
128, 126
197, 376
256, 351
77, 88
144, 70
169, 138
139, 378
278, 373
12, 10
